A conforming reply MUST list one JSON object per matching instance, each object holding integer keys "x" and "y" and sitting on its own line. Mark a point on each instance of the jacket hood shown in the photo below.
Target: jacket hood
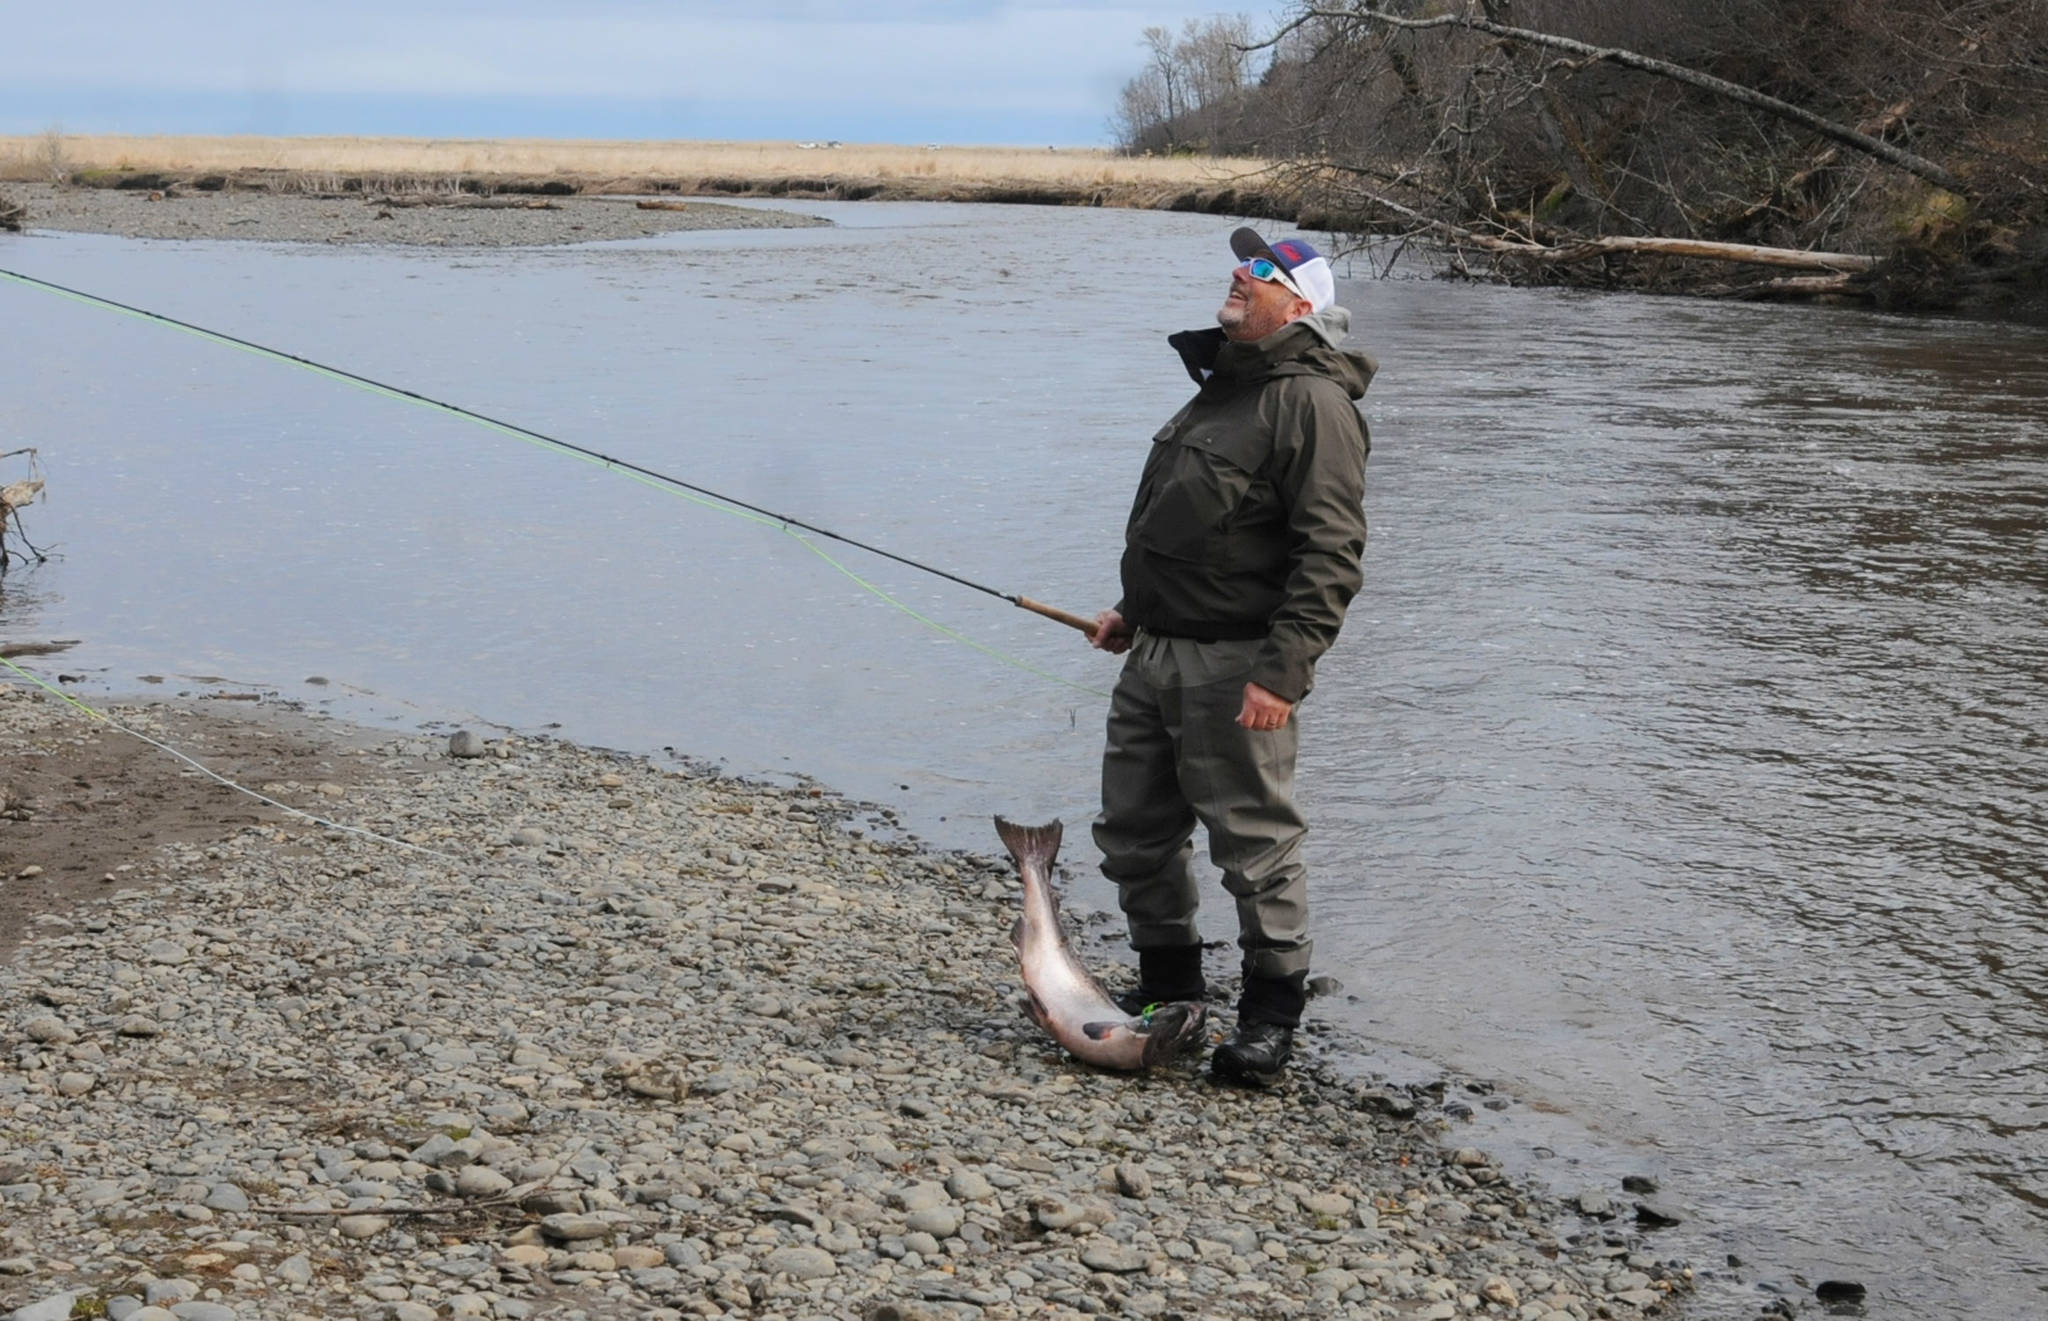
{"x": 1307, "y": 346}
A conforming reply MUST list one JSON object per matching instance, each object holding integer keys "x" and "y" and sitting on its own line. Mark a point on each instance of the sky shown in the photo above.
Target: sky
{"x": 970, "y": 71}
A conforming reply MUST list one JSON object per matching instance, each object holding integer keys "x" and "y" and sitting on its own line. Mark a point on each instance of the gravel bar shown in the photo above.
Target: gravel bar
{"x": 639, "y": 1041}
{"x": 454, "y": 222}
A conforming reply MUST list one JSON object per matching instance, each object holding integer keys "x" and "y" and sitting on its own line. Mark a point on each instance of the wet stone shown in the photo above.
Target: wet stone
{"x": 1658, "y": 1213}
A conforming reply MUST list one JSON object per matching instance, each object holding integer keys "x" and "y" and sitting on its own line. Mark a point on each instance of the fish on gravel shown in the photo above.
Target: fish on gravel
{"x": 1061, "y": 995}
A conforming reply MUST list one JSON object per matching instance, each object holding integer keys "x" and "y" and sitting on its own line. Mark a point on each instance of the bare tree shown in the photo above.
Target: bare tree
{"x": 1605, "y": 133}
{"x": 1191, "y": 94}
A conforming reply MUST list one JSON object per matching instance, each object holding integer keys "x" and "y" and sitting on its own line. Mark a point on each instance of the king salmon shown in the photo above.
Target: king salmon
{"x": 1064, "y": 999}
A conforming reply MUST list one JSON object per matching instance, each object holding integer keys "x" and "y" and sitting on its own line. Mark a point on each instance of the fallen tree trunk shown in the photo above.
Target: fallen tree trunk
{"x": 1585, "y": 249}
{"x": 464, "y": 202}
{"x": 1788, "y": 286}
{"x": 1700, "y": 248}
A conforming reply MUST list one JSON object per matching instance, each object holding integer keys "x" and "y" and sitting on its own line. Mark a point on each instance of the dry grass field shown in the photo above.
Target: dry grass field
{"x": 52, "y": 157}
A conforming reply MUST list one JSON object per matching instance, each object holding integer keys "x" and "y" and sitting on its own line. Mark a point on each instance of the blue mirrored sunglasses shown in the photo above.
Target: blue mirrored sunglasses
{"x": 1261, "y": 269}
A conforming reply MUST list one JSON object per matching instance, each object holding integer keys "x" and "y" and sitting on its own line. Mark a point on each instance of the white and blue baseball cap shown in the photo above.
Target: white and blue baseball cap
{"x": 1308, "y": 272}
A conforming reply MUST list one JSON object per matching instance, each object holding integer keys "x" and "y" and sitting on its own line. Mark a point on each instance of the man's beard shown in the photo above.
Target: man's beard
{"x": 1242, "y": 321}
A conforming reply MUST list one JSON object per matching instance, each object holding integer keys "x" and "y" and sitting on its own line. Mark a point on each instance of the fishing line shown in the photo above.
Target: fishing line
{"x": 210, "y": 773}
{"x": 696, "y": 494}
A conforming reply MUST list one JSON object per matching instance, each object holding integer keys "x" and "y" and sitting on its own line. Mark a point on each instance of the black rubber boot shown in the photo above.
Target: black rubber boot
{"x": 1268, "y": 1011}
{"x": 1165, "y": 975}
{"x": 1256, "y": 1054}
{"x": 1273, "y": 999}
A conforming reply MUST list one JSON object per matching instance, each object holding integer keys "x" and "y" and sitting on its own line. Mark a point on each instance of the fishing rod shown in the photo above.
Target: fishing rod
{"x": 1071, "y": 620}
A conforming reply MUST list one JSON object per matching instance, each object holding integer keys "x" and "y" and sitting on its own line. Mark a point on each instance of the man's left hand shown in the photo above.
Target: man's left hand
{"x": 1263, "y": 709}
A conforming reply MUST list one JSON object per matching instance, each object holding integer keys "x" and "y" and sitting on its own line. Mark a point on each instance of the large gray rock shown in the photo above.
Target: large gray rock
{"x": 465, "y": 743}
{"x": 168, "y": 1293}
{"x": 920, "y": 1196}
{"x": 198, "y": 1310}
{"x": 938, "y": 1221}
{"x": 448, "y": 1153}
{"x": 568, "y": 1226}
{"x": 803, "y": 1263}
{"x": 409, "y": 1311}
{"x": 481, "y": 1181}
{"x": 55, "y": 1308}
{"x": 226, "y": 1197}
{"x": 969, "y": 1186}
{"x": 49, "y": 1030}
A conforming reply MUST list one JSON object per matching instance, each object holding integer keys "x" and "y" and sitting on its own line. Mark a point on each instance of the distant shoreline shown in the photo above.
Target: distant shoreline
{"x": 805, "y": 171}
{"x": 405, "y": 220}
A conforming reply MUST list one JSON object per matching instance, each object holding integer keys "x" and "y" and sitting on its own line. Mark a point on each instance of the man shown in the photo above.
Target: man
{"x": 1241, "y": 555}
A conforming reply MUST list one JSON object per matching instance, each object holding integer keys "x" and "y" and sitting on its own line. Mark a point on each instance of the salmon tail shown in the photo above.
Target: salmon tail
{"x": 1031, "y": 845}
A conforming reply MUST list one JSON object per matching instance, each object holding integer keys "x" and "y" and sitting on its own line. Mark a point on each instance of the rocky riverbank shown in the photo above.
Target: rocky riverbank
{"x": 419, "y": 219}
{"x": 584, "y": 1036}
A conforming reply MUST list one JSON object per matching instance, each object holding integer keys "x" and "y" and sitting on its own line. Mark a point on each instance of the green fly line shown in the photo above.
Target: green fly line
{"x": 695, "y": 494}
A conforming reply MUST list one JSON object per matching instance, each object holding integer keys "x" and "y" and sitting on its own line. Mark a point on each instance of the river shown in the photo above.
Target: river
{"x": 1680, "y": 772}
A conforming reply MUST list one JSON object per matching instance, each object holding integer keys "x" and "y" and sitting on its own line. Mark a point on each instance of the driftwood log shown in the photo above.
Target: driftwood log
{"x": 465, "y": 202}
{"x": 1674, "y": 247}
{"x": 1841, "y": 264}
{"x": 662, "y": 206}
{"x": 14, "y": 497}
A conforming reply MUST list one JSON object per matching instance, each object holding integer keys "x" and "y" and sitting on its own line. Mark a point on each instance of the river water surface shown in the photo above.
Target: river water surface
{"x": 1681, "y": 768}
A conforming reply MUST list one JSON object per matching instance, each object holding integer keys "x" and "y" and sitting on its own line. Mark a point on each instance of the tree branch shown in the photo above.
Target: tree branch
{"x": 1908, "y": 161}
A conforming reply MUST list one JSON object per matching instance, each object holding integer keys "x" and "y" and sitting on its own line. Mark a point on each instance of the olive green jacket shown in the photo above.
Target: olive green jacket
{"x": 1250, "y": 516}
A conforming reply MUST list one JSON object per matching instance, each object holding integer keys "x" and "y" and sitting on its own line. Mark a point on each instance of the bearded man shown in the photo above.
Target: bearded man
{"x": 1241, "y": 555}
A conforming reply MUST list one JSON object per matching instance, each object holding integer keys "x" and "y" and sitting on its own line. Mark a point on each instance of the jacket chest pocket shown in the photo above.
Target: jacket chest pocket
{"x": 1196, "y": 479}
